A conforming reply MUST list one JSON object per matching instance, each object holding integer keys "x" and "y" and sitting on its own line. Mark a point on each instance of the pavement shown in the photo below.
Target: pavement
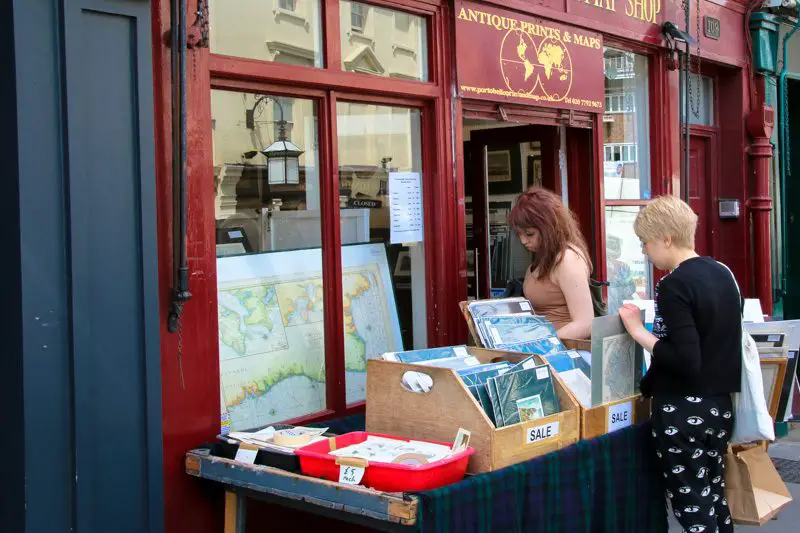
{"x": 787, "y": 521}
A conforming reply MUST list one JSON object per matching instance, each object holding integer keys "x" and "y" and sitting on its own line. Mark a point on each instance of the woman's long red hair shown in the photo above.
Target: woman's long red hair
{"x": 558, "y": 228}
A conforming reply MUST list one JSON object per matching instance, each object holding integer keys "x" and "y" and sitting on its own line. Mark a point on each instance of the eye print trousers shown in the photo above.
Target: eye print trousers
{"x": 691, "y": 436}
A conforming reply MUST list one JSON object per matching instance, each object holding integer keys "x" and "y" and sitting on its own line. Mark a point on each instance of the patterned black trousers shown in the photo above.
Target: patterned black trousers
{"x": 692, "y": 437}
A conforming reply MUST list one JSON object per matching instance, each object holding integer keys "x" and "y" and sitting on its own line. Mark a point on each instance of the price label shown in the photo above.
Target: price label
{"x": 351, "y": 475}
{"x": 542, "y": 373}
{"x": 620, "y": 416}
{"x": 537, "y": 434}
{"x": 460, "y": 351}
{"x": 246, "y": 454}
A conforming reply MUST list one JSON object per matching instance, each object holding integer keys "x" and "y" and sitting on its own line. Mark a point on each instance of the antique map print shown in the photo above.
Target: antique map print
{"x": 619, "y": 355}
{"x": 271, "y": 332}
{"x": 617, "y": 361}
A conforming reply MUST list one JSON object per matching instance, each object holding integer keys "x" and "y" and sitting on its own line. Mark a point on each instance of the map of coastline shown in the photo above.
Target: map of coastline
{"x": 271, "y": 342}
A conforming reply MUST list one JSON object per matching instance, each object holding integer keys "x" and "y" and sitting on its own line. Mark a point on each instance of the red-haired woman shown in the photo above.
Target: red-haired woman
{"x": 557, "y": 283}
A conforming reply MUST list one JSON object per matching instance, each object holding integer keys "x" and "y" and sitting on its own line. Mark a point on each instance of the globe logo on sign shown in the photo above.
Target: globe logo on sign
{"x": 528, "y": 68}
{"x": 519, "y": 72}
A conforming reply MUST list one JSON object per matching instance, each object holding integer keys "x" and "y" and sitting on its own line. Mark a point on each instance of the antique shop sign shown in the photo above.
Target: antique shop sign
{"x": 645, "y": 10}
{"x": 503, "y": 56}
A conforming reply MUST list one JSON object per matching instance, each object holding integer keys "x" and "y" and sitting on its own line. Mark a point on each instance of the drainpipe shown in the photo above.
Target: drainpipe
{"x": 760, "y": 122}
{"x": 783, "y": 144}
{"x": 759, "y": 126}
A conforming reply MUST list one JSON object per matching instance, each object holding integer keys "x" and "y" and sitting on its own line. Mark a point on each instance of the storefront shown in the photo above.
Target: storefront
{"x": 350, "y": 167}
{"x": 363, "y": 158}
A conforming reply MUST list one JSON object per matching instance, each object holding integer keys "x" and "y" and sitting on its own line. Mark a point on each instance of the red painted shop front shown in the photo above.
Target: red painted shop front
{"x": 462, "y": 104}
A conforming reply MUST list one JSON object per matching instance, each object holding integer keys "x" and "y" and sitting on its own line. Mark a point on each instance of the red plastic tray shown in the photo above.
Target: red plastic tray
{"x": 316, "y": 461}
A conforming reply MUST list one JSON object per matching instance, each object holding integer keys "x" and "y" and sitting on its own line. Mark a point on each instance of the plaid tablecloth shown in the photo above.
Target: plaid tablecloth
{"x": 608, "y": 484}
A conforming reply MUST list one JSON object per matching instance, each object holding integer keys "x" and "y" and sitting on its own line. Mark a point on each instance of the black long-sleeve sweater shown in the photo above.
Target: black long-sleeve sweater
{"x": 699, "y": 325}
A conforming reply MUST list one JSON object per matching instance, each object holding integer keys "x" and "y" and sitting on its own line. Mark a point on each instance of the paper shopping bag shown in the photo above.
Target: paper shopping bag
{"x": 753, "y": 487}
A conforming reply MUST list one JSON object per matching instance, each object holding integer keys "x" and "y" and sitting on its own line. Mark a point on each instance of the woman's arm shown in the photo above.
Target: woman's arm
{"x": 572, "y": 277}
{"x": 631, "y": 317}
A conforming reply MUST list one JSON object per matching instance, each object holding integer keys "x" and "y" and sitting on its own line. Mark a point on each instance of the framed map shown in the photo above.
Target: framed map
{"x": 272, "y": 333}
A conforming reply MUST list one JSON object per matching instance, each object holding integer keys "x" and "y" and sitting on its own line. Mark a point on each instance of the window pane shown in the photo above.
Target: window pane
{"x": 269, "y": 261}
{"x": 626, "y": 123}
{"x": 383, "y": 282}
{"x": 629, "y": 273}
{"x": 383, "y": 42}
{"x": 284, "y": 31}
{"x": 701, "y": 101}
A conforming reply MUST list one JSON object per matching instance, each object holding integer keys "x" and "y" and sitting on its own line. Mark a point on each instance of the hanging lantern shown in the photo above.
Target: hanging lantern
{"x": 283, "y": 159}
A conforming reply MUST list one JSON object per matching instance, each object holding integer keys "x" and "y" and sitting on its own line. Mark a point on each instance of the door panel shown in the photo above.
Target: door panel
{"x": 700, "y": 192}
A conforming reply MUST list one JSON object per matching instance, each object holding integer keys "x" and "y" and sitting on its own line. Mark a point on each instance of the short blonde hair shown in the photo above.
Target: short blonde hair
{"x": 667, "y": 216}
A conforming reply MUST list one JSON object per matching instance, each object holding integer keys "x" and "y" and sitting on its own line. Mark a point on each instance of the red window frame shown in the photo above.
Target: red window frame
{"x": 326, "y": 86}
{"x": 660, "y": 157}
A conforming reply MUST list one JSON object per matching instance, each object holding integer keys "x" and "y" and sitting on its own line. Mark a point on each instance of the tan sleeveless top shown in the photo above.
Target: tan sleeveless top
{"x": 547, "y": 299}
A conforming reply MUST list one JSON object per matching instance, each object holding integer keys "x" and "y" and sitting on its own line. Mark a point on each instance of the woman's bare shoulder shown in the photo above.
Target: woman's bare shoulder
{"x": 572, "y": 262}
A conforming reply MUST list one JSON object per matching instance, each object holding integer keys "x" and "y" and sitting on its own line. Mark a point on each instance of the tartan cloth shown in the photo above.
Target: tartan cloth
{"x": 608, "y": 484}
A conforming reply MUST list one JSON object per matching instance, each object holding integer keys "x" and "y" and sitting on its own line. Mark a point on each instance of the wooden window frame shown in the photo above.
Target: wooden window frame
{"x": 326, "y": 86}
{"x": 658, "y": 98}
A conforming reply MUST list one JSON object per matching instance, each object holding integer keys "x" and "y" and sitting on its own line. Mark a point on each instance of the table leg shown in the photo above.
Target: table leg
{"x": 235, "y": 509}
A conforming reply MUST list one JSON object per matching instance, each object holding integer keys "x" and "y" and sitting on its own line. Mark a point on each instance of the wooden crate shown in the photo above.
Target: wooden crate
{"x": 597, "y": 420}
{"x": 611, "y": 416}
{"x": 475, "y": 339}
{"x": 438, "y": 414}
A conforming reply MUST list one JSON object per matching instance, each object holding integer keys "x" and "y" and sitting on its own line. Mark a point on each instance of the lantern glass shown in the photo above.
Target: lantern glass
{"x": 283, "y": 169}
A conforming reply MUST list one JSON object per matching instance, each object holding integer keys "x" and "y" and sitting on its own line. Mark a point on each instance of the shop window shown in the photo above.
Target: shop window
{"x": 626, "y": 128}
{"x": 628, "y": 271}
{"x": 701, "y": 100}
{"x": 269, "y": 260}
{"x": 283, "y": 31}
{"x": 368, "y": 48}
{"x": 380, "y": 198}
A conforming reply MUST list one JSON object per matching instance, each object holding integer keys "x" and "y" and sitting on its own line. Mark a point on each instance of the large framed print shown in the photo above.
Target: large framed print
{"x": 271, "y": 330}
{"x": 789, "y": 348}
{"x": 773, "y": 372}
{"x": 507, "y": 57}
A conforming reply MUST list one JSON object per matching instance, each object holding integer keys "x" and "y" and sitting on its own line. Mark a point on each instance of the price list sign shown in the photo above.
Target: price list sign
{"x": 405, "y": 205}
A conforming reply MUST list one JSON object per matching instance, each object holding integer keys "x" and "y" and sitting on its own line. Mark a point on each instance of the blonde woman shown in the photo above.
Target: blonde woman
{"x": 696, "y": 365}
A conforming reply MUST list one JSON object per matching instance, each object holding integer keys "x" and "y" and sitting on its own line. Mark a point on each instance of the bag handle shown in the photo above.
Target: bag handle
{"x": 738, "y": 290}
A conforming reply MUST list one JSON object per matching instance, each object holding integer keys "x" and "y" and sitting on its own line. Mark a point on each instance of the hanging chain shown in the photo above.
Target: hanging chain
{"x": 784, "y": 120}
{"x": 694, "y": 95}
{"x": 696, "y": 106}
{"x": 198, "y": 36}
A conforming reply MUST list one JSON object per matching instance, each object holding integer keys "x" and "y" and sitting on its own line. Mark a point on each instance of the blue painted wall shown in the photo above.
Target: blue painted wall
{"x": 80, "y": 371}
